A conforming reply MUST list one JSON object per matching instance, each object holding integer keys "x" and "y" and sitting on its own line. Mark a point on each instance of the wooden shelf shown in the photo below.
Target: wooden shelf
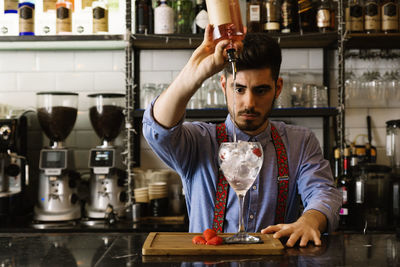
{"x": 282, "y": 112}
{"x": 188, "y": 41}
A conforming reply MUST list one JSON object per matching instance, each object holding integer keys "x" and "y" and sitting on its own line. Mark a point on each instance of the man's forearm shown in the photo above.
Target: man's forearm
{"x": 170, "y": 107}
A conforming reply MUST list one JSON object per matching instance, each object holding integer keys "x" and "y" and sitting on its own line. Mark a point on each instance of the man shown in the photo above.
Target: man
{"x": 191, "y": 148}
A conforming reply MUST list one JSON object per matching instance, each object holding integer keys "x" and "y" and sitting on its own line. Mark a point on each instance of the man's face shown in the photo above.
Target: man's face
{"x": 255, "y": 93}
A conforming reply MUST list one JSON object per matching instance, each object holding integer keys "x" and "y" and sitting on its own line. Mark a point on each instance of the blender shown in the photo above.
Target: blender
{"x": 57, "y": 199}
{"x": 107, "y": 181}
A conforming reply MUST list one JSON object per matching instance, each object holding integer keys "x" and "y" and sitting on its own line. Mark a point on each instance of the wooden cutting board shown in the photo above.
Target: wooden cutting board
{"x": 181, "y": 244}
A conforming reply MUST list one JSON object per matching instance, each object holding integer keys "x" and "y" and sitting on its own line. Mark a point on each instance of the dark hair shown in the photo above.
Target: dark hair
{"x": 259, "y": 51}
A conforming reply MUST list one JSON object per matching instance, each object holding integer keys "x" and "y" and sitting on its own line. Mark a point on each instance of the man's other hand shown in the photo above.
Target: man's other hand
{"x": 307, "y": 228}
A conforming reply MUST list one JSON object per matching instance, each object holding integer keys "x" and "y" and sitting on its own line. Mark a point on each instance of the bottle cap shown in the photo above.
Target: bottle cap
{"x": 337, "y": 153}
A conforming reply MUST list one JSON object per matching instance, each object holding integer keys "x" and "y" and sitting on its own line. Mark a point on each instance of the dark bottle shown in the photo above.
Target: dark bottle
{"x": 201, "y": 17}
{"x": 390, "y": 16}
{"x": 142, "y": 16}
{"x": 271, "y": 15}
{"x": 289, "y": 16}
{"x": 324, "y": 13}
{"x": 254, "y": 16}
{"x": 354, "y": 16}
{"x": 344, "y": 187}
{"x": 183, "y": 16}
{"x": 150, "y": 28}
{"x": 372, "y": 16}
{"x": 307, "y": 16}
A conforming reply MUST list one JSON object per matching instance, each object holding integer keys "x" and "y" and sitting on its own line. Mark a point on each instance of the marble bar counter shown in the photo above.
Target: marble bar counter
{"x": 124, "y": 249}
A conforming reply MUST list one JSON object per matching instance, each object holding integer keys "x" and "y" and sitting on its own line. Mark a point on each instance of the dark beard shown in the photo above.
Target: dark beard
{"x": 248, "y": 124}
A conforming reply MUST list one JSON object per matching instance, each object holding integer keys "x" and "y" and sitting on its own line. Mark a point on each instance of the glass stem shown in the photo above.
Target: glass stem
{"x": 241, "y": 220}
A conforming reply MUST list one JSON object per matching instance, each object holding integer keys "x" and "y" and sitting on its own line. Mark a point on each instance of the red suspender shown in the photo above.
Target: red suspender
{"x": 222, "y": 187}
{"x": 283, "y": 175}
{"x": 283, "y": 180}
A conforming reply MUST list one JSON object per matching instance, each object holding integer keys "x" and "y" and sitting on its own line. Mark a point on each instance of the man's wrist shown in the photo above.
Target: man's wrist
{"x": 316, "y": 218}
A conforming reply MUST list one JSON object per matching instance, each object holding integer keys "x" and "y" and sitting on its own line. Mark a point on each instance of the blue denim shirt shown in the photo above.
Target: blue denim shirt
{"x": 191, "y": 148}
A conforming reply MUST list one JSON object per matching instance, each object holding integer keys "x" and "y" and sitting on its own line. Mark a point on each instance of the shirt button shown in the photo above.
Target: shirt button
{"x": 254, "y": 187}
{"x": 251, "y": 216}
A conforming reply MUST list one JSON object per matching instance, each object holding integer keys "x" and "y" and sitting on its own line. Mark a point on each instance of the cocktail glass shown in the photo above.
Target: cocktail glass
{"x": 241, "y": 162}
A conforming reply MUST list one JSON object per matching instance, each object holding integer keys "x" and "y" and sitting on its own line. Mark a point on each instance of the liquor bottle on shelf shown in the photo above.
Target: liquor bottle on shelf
{"x": 227, "y": 20}
{"x": 390, "y": 16}
{"x": 289, "y": 16}
{"x": 163, "y": 19}
{"x": 64, "y": 17}
{"x": 150, "y": 28}
{"x": 272, "y": 14}
{"x": 354, "y": 16}
{"x": 183, "y": 16}
{"x": 254, "y": 16}
{"x": 201, "y": 17}
{"x": 324, "y": 16}
{"x": 372, "y": 16}
{"x": 100, "y": 17}
{"x": 82, "y": 21}
{"x": 142, "y": 16}
{"x": 26, "y": 12}
{"x": 344, "y": 186}
{"x": 45, "y": 23}
{"x": 307, "y": 16}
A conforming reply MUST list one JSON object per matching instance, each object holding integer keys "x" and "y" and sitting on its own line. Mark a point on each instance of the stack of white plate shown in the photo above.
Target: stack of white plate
{"x": 158, "y": 190}
{"x": 141, "y": 195}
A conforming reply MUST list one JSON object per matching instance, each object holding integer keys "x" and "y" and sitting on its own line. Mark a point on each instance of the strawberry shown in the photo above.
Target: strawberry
{"x": 257, "y": 152}
{"x": 208, "y": 234}
{"x": 199, "y": 240}
{"x": 215, "y": 241}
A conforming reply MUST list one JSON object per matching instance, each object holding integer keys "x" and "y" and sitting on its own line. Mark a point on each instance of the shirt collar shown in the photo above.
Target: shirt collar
{"x": 263, "y": 137}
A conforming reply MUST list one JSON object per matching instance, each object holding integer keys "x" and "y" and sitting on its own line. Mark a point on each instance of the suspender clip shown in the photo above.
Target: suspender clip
{"x": 283, "y": 178}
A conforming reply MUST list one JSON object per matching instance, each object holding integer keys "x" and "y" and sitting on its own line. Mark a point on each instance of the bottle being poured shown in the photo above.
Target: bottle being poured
{"x": 227, "y": 20}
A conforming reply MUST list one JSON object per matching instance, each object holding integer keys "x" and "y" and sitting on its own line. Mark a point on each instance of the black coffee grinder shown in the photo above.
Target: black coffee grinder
{"x": 13, "y": 168}
{"x": 107, "y": 181}
{"x": 57, "y": 200}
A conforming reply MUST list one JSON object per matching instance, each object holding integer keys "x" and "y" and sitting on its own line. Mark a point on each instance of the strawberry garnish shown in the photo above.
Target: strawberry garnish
{"x": 257, "y": 152}
{"x": 215, "y": 241}
{"x": 198, "y": 240}
{"x": 209, "y": 233}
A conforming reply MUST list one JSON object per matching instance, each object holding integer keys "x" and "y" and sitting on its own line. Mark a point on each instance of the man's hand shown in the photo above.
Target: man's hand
{"x": 209, "y": 58}
{"x": 307, "y": 228}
